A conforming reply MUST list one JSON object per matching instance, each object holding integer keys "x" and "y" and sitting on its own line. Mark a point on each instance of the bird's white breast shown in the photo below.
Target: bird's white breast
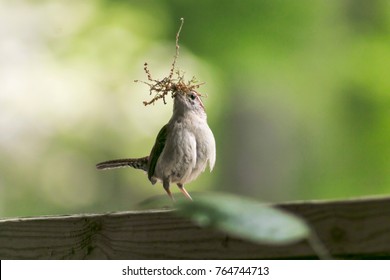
{"x": 188, "y": 148}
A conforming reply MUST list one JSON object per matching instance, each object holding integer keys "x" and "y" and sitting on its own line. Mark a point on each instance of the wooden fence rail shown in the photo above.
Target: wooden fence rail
{"x": 357, "y": 228}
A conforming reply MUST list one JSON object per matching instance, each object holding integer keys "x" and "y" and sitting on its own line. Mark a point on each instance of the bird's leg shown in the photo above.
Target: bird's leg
{"x": 183, "y": 190}
{"x": 166, "y": 188}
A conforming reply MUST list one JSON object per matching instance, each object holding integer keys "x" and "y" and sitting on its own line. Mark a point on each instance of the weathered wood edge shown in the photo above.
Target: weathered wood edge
{"x": 354, "y": 228}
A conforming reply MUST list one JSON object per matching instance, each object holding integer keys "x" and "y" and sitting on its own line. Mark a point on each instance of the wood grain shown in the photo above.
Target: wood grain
{"x": 349, "y": 229}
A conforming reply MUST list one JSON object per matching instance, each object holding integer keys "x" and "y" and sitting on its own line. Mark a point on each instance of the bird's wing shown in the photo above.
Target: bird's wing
{"x": 157, "y": 150}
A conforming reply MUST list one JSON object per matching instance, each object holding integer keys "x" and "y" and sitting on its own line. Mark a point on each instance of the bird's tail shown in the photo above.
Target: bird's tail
{"x": 138, "y": 163}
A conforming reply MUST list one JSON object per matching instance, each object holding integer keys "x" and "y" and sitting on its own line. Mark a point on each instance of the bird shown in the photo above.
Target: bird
{"x": 182, "y": 150}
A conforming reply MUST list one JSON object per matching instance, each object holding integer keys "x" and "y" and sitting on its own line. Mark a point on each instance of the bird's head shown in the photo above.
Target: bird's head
{"x": 185, "y": 101}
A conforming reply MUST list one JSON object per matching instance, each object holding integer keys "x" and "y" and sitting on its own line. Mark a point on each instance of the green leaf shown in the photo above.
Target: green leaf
{"x": 245, "y": 218}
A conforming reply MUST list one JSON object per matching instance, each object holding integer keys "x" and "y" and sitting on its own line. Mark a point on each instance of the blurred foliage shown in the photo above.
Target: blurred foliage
{"x": 245, "y": 218}
{"x": 298, "y": 98}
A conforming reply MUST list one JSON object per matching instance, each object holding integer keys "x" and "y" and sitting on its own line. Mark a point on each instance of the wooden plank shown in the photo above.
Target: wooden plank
{"x": 349, "y": 229}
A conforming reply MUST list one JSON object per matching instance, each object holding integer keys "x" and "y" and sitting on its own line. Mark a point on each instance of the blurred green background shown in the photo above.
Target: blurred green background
{"x": 298, "y": 98}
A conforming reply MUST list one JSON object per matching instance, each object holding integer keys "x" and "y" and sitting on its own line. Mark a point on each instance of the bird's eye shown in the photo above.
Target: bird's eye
{"x": 192, "y": 96}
